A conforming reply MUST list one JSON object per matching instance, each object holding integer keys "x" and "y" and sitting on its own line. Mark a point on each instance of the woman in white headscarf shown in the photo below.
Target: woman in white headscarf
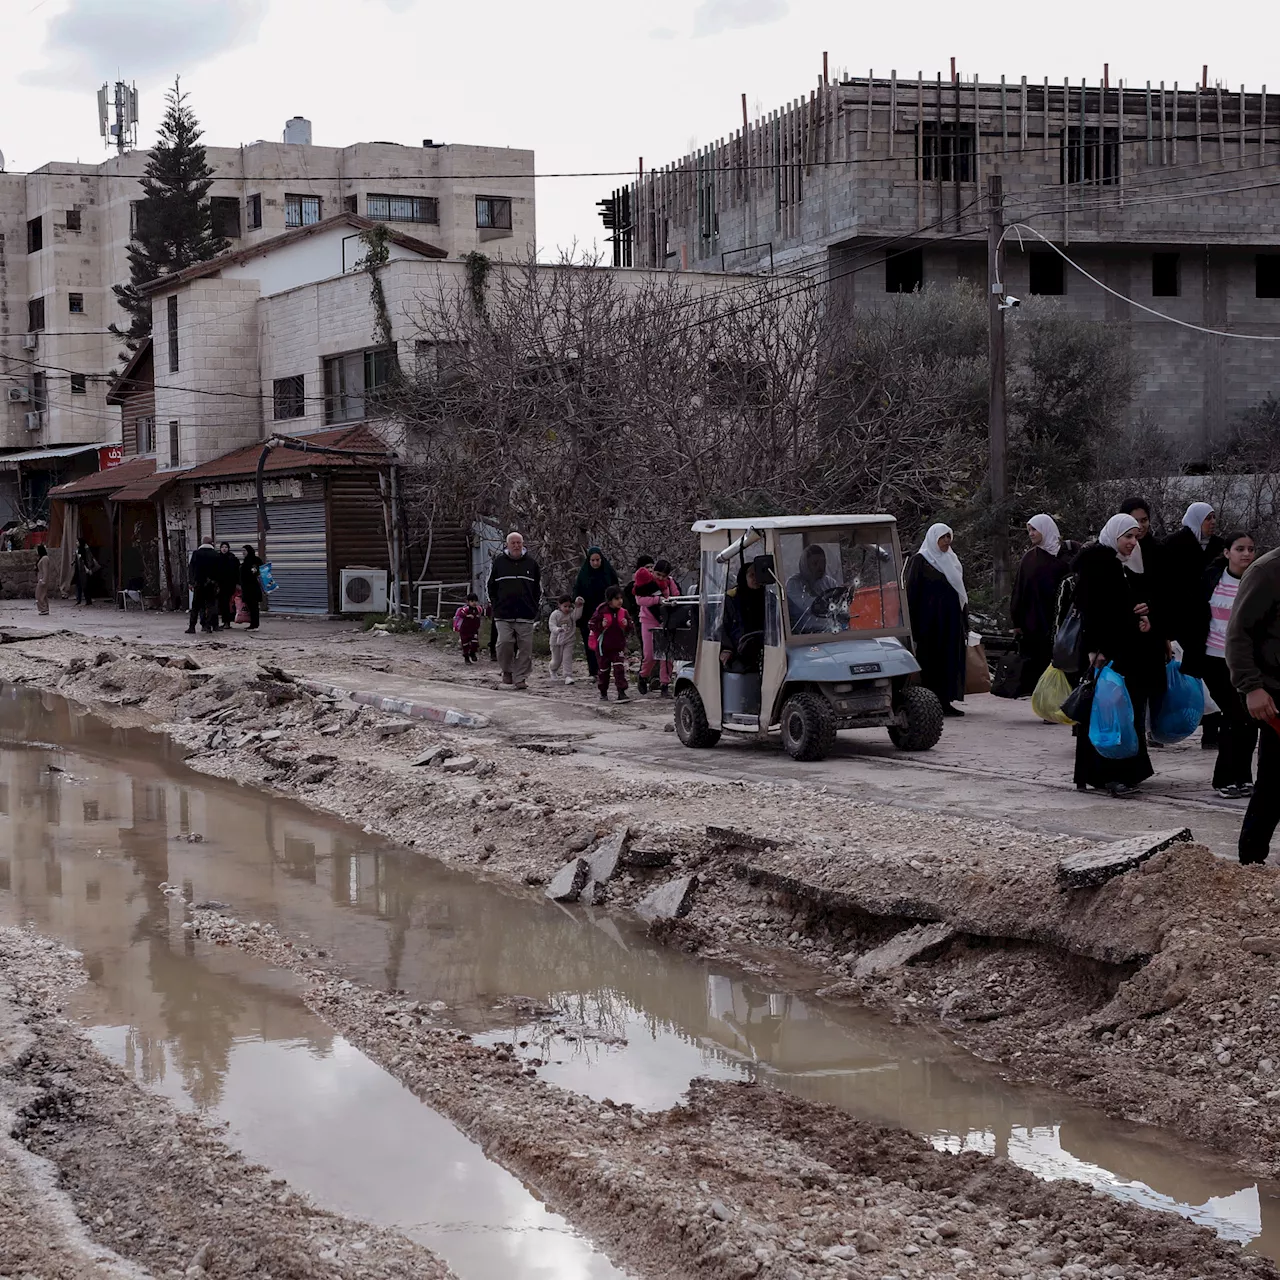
{"x": 1119, "y": 625}
{"x": 1185, "y": 558}
{"x": 1033, "y": 607}
{"x": 939, "y": 606}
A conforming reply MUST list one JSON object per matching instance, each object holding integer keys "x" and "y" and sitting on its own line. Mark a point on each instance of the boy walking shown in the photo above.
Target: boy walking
{"x": 466, "y": 622}
{"x": 563, "y": 627}
{"x": 609, "y": 626}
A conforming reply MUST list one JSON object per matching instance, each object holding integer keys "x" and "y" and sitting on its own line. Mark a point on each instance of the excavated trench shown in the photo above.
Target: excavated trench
{"x": 108, "y": 839}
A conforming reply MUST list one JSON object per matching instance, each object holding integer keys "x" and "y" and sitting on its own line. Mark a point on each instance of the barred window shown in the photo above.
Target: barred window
{"x": 493, "y": 212}
{"x": 290, "y": 397}
{"x": 301, "y": 211}
{"x": 403, "y": 208}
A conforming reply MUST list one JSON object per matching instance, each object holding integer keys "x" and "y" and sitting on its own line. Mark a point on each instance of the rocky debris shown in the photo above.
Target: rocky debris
{"x": 917, "y": 943}
{"x": 727, "y": 838}
{"x": 647, "y": 857}
{"x": 547, "y": 747}
{"x": 394, "y": 727}
{"x": 568, "y": 883}
{"x": 1268, "y": 946}
{"x": 459, "y": 764}
{"x": 1088, "y": 868}
{"x": 436, "y": 755}
{"x": 270, "y": 735}
{"x": 670, "y": 901}
{"x": 102, "y": 657}
{"x": 607, "y": 855}
{"x": 594, "y": 893}
{"x": 485, "y": 769}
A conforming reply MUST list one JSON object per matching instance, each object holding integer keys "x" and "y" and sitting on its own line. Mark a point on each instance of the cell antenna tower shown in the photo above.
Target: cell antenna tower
{"x": 122, "y": 102}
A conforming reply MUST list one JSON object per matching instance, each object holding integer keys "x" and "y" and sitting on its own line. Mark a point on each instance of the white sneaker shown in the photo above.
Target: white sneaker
{"x": 568, "y": 679}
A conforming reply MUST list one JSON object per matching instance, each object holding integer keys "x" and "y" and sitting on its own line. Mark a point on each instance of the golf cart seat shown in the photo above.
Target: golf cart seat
{"x": 677, "y": 639}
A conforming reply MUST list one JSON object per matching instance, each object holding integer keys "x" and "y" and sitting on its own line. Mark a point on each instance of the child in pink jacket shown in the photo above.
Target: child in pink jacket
{"x": 651, "y": 588}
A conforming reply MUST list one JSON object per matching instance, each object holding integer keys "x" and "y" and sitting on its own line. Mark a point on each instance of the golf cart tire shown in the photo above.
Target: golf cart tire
{"x": 808, "y": 727}
{"x": 924, "y": 720}
{"x": 692, "y": 727}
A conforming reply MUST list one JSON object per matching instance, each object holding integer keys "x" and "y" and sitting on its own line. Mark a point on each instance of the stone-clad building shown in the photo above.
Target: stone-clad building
{"x": 1169, "y": 195}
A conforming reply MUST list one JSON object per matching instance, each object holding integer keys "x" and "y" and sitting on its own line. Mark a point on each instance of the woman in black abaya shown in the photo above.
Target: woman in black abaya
{"x": 1033, "y": 608}
{"x": 939, "y": 608}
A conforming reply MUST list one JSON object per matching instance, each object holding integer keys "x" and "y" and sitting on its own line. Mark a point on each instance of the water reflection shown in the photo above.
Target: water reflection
{"x": 89, "y": 849}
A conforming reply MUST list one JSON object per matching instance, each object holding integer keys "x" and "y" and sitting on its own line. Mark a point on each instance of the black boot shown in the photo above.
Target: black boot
{"x": 642, "y": 683}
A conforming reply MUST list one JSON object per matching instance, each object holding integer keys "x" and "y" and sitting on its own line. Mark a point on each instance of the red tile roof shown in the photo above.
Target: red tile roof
{"x": 100, "y": 484}
{"x": 244, "y": 462}
{"x": 148, "y": 488}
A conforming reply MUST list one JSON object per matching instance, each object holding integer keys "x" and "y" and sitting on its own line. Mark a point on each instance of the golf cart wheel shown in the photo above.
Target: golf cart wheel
{"x": 808, "y": 727}
{"x": 924, "y": 720}
{"x": 692, "y": 727}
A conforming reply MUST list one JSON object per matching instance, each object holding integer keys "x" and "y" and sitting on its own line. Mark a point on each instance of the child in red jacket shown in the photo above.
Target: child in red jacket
{"x": 466, "y": 622}
{"x": 608, "y": 637}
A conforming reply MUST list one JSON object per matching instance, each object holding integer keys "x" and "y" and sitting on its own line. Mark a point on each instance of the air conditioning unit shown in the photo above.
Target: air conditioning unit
{"x": 19, "y": 395}
{"x": 30, "y": 341}
{"x": 364, "y": 590}
{"x": 35, "y": 421}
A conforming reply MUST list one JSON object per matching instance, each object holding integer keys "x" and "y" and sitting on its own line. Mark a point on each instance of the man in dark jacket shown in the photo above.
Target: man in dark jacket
{"x": 204, "y": 576}
{"x": 515, "y": 591}
{"x": 1253, "y": 658}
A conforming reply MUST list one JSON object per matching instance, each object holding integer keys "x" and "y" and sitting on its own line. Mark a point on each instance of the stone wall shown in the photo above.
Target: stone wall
{"x": 17, "y": 575}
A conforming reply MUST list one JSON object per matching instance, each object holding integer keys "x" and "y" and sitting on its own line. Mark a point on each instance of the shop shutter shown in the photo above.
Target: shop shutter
{"x": 295, "y": 547}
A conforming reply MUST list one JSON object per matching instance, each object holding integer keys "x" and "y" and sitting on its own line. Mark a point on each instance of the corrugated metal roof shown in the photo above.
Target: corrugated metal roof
{"x": 148, "y": 488}
{"x": 244, "y": 462}
{"x": 10, "y": 461}
{"x": 102, "y": 483}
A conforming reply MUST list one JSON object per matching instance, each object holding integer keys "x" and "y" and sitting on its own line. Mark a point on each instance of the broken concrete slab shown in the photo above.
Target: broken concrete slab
{"x": 732, "y": 838}
{"x": 1261, "y": 946}
{"x": 1092, "y": 867}
{"x": 916, "y": 943}
{"x": 568, "y": 883}
{"x": 396, "y": 726}
{"x": 607, "y": 855}
{"x": 485, "y": 768}
{"x": 594, "y": 894}
{"x": 669, "y": 902}
{"x": 638, "y": 856}
{"x": 547, "y": 747}
{"x": 270, "y": 735}
{"x": 434, "y": 756}
{"x": 459, "y": 764}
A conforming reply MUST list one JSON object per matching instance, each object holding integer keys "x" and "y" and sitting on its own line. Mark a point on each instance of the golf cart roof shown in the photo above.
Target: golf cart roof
{"x": 787, "y": 522}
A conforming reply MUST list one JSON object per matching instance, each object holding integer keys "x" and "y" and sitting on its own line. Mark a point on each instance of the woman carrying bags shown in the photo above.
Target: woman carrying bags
{"x": 592, "y": 584}
{"x": 1113, "y": 598}
{"x": 1033, "y": 609}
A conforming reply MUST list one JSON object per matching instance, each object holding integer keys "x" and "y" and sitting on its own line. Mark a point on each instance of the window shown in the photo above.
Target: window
{"x": 837, "y": 581}
{"x": 301, "y": 211}
{"x": 35, "y": 235}
{"x": 413, "y": 209}
{"x": 253, "y": 212}
{"x": 493, "y": 212}
{"x": 35, "y": 314}
{"x": 79, "y": 385}
{"x": 173, "y": 444}
{"x": 348, "y": 379}
{"x": 1164, "y": 275}
{"x": 904, "y": 271}
{"x": 1046, "y": 273}
{"x": 171, "y": 312}
{"x": 290, "y": 397}
{"x": 1268, "y": 275}
{"x": 947, "y": 151}
{"x": 136, "y": 217}
{"x": 146, "y": 428}
{"x": 350, "y": 204}
{"x": 1090, "y": 154}
{"x": 75, "y": 303}
{"x": 442, "y": 362}
{"x": 73, "y": 219}
{"x": 224, "y": 214}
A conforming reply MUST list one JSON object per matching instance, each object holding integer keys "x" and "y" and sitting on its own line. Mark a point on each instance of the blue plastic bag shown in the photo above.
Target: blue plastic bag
{"x": 1182, "y": 707}
{"x": 1111, "y": 728}
{"x": 267, "y": 578}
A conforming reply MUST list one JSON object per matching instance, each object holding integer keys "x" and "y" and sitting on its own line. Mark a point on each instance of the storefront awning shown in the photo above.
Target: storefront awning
{"x": 11, "y": 461}
{"x": 101, "y": 484}
{"x": 146, "y": 488}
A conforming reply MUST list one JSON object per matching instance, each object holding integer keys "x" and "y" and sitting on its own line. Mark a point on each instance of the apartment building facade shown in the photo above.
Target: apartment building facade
{"x": 65, "y": 231}
{"x": 1170, "y": 196}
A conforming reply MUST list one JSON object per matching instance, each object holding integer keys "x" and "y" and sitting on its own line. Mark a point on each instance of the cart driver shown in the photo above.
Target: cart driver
{"x": 811, "y": 593}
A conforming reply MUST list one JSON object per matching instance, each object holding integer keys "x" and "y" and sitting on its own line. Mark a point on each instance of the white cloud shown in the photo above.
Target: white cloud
{"x": 712, "y": 17}
{"x": 663, "y": 33}
{"x": 92, "y": 40}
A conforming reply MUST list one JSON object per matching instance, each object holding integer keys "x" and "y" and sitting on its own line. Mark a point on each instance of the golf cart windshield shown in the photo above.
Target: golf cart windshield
{"x": 840, "y": 580}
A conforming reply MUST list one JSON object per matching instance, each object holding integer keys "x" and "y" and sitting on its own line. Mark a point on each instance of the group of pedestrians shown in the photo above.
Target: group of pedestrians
{"x": 223, "y": 586}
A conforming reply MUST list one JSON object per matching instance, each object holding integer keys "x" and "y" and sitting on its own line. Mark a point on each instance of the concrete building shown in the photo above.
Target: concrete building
{"x": 1168, "y": 195}
{"x": 65, "y": 231}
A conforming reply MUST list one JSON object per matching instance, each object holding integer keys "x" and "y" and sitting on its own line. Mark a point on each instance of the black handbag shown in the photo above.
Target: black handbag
{"x": 1067, "y": 642}
{"x": 1078, "y": 704}
{"x": 1008, "y": 677}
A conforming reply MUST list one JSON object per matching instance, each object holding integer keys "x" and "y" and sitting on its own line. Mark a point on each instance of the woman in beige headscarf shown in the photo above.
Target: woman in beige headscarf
{"x": 42, "y": 579}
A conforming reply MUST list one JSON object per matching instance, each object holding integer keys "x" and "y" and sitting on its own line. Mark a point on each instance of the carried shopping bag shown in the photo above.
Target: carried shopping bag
{"x": 237, "y": 602}
{"x": 1067, "y": 643}
{"x": 1010, "y": 670}
{"x": 977, "y": 672}
{"x": 1181, "y": 709}
{"x": 1051, "y": 691}
{"x": 1111, "y": 728}
{"x": 1079, "y": 704}
{"x": 267, "y": 578}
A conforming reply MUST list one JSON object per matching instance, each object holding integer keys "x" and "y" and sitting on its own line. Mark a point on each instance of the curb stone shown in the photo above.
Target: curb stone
{"x": 400, "y": 706}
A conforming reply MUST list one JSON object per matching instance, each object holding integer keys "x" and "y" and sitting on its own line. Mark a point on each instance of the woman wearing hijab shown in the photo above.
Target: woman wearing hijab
{"x": 1140, "y": 509}
{"x": 1033, "y": 608}
{"x": 742, "y": 635}
{"x": 1185, "y": 558}
{"x": 251, "y": 585}
{"x": 594, "y": 579}
{"x": 939, "y": 608}
{"x": 1113, "y": 596}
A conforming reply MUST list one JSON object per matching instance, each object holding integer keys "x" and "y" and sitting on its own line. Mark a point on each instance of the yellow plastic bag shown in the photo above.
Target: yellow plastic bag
{"x": 1050, "y": 693}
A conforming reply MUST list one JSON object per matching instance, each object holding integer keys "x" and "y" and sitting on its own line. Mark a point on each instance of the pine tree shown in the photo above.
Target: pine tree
{"x": 174, "y": 228}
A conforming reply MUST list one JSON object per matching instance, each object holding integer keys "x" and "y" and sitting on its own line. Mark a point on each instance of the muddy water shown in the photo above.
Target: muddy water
{"x": 93, "y": 822}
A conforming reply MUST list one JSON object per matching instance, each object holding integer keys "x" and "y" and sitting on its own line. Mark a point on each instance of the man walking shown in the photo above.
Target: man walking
{"x": 1253, "y": 658}
{"x": 203, "y": 575}
{"x": 515, "y": 591}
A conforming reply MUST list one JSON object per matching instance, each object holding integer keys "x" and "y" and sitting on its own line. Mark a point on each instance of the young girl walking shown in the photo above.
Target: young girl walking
{"x": 651, "y": 587}
{"x": 563, "y": 627}
{"x": 609, "y": 626}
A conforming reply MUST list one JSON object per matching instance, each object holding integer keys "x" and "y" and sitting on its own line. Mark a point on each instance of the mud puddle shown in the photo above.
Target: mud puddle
{"x": 105, "y": 836}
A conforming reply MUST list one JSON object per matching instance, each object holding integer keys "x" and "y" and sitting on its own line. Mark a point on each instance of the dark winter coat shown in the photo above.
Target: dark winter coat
{"x": 610, "y": 627}
{"x": 1194, "y": 645}
{"x": 939, "y": 629}
{"x": 1035, "y": 592}
{"x": 1105, "y": 595}
{"x": 1179, "y": 581}
{"x": 205, "y": 568}
{"x": 1253, "y": 634}
{"x": 593, "y": 584}
{"x": 250, "y": 584}
{"x": 515, "y": 588}
{"x": 228, "y": 574}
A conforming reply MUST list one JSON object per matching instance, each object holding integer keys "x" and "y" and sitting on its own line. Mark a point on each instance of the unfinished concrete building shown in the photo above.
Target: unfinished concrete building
{"x": 1168, "y": 195}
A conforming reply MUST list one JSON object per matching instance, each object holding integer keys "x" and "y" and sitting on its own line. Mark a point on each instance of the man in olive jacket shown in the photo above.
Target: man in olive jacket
{"x": 1253, "y": 658}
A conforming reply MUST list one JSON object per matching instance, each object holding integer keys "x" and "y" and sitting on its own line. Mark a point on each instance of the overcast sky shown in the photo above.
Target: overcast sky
{"x": 589, "y": 85}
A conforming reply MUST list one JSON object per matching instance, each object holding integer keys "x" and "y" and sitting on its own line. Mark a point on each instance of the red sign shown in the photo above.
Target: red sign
{"x": 110, "y": 455}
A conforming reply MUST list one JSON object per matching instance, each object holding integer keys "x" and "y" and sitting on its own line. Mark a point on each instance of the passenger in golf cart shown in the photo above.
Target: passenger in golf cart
{"x": 812, "y": 638}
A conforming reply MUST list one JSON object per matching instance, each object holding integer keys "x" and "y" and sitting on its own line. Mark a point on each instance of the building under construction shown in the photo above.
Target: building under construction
{"x": 1168, "y": 195}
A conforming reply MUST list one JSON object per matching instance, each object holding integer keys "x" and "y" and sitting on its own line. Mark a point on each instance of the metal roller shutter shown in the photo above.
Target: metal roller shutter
{"x": 295, "y": 547}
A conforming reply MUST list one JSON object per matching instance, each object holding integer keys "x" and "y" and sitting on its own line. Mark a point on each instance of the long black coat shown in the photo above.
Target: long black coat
{"x": 1035, "y": 593}
{"x": 1180, "y": 581}
{"x": 1105, "y": 595}
{"x": 939, "y": 629}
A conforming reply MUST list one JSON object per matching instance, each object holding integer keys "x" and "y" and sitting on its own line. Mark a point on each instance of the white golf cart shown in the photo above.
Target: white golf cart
{"x": 835, "y": 650}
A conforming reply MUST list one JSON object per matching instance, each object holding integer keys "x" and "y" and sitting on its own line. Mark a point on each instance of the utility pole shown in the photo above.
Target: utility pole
{"x": 997, "y": 436}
